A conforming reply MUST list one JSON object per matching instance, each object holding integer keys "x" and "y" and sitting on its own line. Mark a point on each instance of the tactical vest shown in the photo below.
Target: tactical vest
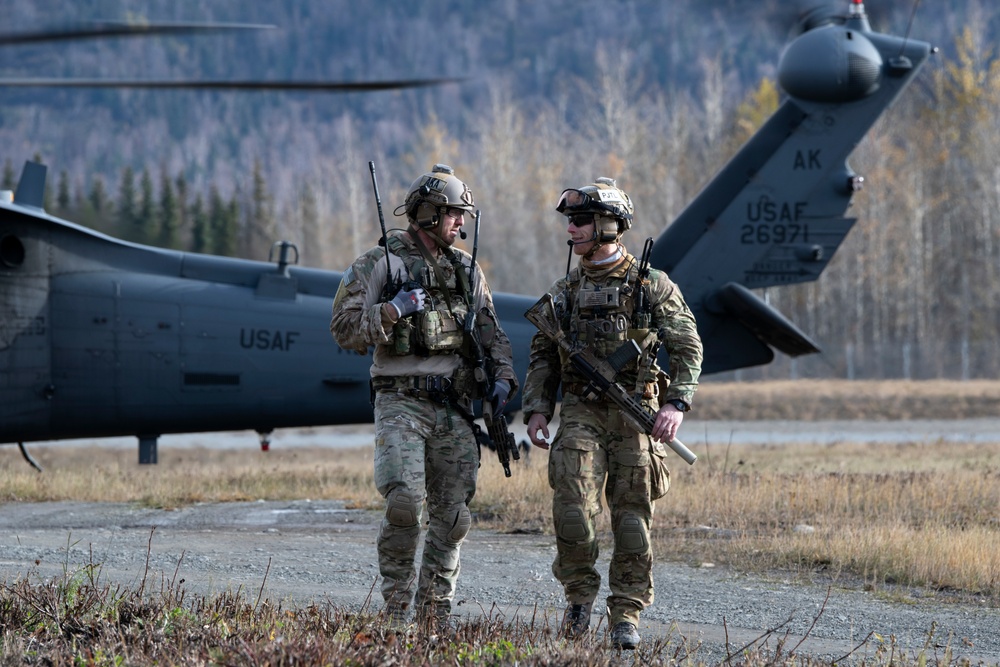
{"x": 438, "y": 328}
{"x": 602, "y": 316}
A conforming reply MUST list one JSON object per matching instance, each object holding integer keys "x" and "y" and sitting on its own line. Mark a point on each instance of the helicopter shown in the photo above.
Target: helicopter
{"x": 101, "y": 337}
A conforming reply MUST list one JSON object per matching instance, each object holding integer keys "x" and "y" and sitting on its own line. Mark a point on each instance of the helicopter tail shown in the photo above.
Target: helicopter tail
{"x": 774, "y": 215}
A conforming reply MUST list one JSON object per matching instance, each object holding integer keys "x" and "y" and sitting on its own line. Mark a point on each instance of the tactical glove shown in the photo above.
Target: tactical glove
{"x": 501, "y": 390}
{"x": 407, "y": 302}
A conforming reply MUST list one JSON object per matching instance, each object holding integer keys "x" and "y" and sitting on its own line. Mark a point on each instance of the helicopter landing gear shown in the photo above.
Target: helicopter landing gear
{"x": 147, "y": 449}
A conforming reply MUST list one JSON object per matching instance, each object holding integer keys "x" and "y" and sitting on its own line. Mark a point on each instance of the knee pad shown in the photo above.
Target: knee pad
{"x": 573, "y": 526}
{"x": 401, "y": 508}
{"x": 462, "y": 525}
{"x": 631, "y": 535}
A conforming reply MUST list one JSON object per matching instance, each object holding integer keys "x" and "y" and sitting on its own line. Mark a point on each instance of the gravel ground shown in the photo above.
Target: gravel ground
{"x": 301, "y": 552}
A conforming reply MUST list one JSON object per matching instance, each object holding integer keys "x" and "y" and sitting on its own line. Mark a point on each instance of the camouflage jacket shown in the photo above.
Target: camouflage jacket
{"x": 668, "y": 320}
{"x": 359, "y": 320}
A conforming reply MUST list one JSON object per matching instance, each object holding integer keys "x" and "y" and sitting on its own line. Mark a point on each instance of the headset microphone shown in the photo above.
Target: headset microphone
{"x": 462, "y": 234}
{"x": 572, "y": 243}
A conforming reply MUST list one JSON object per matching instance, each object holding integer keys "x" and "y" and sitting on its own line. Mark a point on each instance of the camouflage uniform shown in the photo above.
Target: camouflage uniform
{"x": 424, "y": 446}
{"x": 593, "y": 445}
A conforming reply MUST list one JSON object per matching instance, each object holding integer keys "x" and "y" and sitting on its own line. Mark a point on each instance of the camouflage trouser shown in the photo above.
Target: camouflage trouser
{"x": 593, "y": 443}
{"x": 423, "y": 451}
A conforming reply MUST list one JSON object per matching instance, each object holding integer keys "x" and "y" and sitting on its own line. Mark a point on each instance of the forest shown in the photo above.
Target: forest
{"x": 552, "y": 94}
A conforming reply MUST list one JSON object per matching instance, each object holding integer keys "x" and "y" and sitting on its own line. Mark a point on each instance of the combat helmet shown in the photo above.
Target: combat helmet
{"x": 611, "y": 207}
{"x": 431, "y": 193}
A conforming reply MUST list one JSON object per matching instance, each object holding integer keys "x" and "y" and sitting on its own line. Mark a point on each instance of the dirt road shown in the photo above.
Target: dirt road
{"x": 301, "y": 552}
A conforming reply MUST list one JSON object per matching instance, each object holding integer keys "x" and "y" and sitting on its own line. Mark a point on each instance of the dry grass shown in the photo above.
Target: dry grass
{"x": 79, "y": 620}
{"x": 185, "y": 476}
{"x": 842, "y": 399}
{"x": 912, "y": 515}
{"x": 898, "y": 514}
{"x": 920, "y": 518}
{"x": 922, "y": 515}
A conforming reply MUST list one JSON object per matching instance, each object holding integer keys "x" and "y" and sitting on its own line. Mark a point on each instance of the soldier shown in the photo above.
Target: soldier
{"x": 603, "y": 302}
{"x": 412, "y": 306}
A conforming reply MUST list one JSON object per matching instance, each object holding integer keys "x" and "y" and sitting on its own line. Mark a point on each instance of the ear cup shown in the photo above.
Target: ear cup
{"x": 608, "y": 230}
{"x": 426, "y": 215}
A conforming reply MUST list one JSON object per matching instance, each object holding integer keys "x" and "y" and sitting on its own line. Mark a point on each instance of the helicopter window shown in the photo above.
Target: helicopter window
{"x": 11, "y": 251}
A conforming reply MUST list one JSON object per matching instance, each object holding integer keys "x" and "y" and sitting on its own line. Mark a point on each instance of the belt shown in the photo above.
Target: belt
{"x": 417, "y": 385}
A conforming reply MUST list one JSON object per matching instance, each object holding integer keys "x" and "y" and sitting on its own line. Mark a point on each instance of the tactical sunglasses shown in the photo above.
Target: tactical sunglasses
{"x": 581, "y": 219}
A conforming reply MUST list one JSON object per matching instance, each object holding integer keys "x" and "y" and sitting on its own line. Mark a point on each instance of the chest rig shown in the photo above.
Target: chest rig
{"x": 438, "y": 328}
{"x": 603, "y": 314}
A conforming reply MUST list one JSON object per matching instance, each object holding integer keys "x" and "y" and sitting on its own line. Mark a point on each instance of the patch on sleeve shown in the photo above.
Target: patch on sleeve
{"x": 348, "y": 277}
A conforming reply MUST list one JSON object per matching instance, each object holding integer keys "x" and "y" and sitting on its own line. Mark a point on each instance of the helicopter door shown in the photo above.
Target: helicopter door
{"x": 148, "y": 361}
{"x": 25, "y": 366}
{"x": 82, "y": 353}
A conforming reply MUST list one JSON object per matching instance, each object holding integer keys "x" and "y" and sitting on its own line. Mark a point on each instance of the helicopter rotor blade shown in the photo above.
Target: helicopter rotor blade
{"x": 101, "y": 29}
{"x": 305, "y": 86}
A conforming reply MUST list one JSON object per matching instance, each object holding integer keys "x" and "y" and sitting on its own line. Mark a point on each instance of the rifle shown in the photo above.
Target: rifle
{"x": 600, "y": 373}
{"x": 497, "y": 435}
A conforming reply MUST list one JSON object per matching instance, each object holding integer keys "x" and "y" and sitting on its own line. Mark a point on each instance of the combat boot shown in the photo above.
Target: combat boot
{"x": 576, "y": 621}
{"x": 442, "y": 626}
{"x": 436, "y": 621}
{"x": 395, "y": 616}
{"x": 624, "y": 635}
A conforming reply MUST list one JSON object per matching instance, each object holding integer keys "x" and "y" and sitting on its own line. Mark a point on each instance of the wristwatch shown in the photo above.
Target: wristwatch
{"x": 679, "y": 404}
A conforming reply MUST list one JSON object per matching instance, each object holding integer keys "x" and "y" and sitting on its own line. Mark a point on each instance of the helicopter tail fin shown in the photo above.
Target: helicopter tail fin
{"x": 774, "y": 215}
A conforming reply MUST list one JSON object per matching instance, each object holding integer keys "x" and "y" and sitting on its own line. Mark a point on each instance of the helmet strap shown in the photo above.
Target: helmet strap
{"x": 431, "y": 232}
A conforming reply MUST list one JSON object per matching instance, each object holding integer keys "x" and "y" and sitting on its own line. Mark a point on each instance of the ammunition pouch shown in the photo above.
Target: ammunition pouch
{"x": 464, "y": 384}
{"x": 425, "y": 333}
{"x": 440, "y": 331}
{"x": 487, "y": 329}
{"x": 659, "y": 473}
{"x": 403, "y": 337}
